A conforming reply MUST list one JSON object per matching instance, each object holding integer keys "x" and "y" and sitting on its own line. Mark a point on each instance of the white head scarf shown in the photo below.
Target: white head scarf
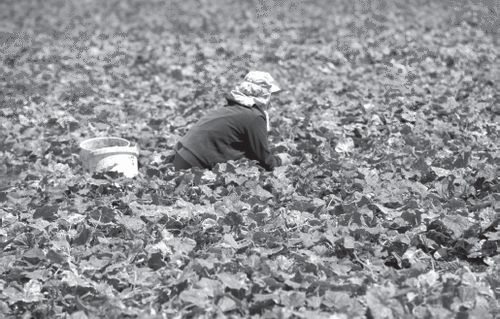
{"x": 255, "y": 89}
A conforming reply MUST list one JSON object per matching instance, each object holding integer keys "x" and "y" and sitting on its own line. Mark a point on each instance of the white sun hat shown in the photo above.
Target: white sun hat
{"x": 263, "y": 79}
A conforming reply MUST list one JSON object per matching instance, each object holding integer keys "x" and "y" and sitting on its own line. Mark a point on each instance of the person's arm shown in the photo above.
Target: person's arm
{"x": 258, "y": 146}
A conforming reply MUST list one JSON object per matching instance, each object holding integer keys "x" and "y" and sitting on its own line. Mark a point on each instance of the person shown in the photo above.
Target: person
{"x": 240, "y": 129}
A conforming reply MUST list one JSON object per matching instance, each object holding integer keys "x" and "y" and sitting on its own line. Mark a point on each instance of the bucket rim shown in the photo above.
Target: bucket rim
{"x": 82, "y": 143}
{"x": 122, "y": 150}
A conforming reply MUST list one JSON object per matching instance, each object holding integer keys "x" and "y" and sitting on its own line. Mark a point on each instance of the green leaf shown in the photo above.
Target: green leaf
{"x": 261, "y": 193}
{"x": 233, "y": 281}
{"x": 456, "y": 223}
{"x": 292, "y": 299}
{"x": 345, "y": 146}
{"x": 349, "y": 242}
{"x": 314, "y": 302}
{"x": 83, "y": 237}
{"x": 34, "y": 255}
{"x": 182, "y": 245}
{"x": 212, "y": 287}
{"x": 55, "y": 257}
{"x": 389, "y": 212}
{"x": 132, "y": 223}
{"x": 429, "y": 279}
{"x": 48, "y": 212}
{"x": 227, "y": 304}
{"x": 338, "y": 300}
{"x": 194, "y": 296}
{"x": 103, "y": 215}
{"x": 382, "y": 304}
{"x": 78, "y": 315}
{"x": 307, "y": 240}
{"x": 156, "y": 262}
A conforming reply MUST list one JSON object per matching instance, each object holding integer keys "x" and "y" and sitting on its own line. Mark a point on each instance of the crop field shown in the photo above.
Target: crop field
{"x": 390, "y": 208}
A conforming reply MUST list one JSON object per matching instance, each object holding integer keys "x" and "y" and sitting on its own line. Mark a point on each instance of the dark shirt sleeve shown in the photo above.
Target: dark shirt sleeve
{"x": 258, "y": 146}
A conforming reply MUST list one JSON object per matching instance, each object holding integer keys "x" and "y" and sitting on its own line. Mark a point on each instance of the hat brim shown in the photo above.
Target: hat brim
{"x": 274, "y": 88}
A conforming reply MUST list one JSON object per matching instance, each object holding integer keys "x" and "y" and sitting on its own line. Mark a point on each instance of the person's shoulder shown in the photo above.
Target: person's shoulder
{"x": 244, "y": 110}
{"x": 253, "y": 113}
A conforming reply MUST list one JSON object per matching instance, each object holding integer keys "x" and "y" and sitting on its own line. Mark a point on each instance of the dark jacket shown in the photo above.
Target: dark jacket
{"x": 228, "y": 133}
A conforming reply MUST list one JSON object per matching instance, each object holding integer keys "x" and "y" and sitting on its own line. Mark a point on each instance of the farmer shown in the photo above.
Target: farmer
{"x": 237, "y": 130}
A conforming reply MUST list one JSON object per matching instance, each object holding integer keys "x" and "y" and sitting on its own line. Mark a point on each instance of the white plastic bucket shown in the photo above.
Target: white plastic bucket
{"x": 104, "y": 154}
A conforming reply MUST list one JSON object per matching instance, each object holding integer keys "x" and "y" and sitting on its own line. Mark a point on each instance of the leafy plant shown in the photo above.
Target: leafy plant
{"x": 389, "y": 210}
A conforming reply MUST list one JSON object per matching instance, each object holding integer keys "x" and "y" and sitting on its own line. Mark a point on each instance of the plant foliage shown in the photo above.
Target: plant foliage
{"x": 389, "y": 210}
